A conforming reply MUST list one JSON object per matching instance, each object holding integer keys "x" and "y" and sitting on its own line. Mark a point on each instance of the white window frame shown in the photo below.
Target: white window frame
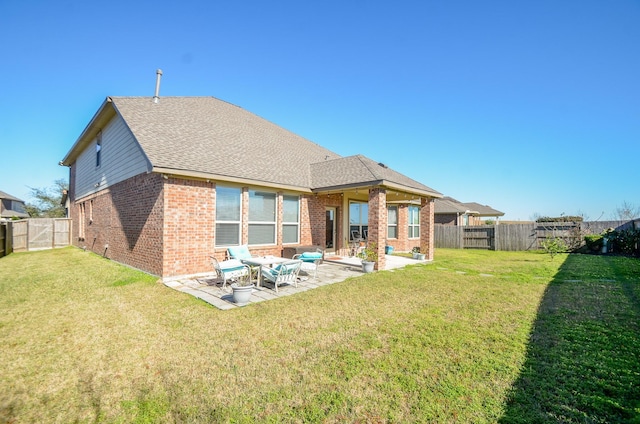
{"x": 263, "y": 223}
{"x": 291, "y": 223}
{"x": 99, "y": 149}
{"x": 390, "y": 224}
{"x": 229, "y": 222}
{"x": 363, "y": 222}
{"x": 415, "y": 234}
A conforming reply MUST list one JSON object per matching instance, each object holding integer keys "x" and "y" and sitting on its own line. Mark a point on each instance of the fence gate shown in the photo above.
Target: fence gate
{"x": 41, "y": 233}
{"x": 20, "y": 233}
{"x": 480, "y": 237}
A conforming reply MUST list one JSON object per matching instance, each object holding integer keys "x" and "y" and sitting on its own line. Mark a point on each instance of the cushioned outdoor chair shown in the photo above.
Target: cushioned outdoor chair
{"x": 286, "y": 272}
{"x": 230, "y": 270}
{"x": 239, "y": 252}
{"x": 242, "y": 252}
{"x": 310, "y": 262}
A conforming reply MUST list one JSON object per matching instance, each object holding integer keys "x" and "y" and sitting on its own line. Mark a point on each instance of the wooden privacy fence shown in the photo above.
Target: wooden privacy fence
{"x": 516, "y": 237}
{"x": 40, "y": 233}
{"x": 4, "y": 248}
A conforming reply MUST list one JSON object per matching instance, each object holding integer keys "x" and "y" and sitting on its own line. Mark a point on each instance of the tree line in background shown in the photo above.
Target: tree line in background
{"x": 47, "y": 201}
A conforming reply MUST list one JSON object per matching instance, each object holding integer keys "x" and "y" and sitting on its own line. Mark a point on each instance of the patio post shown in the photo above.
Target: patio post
{"x": 378, "y": 223}
{"x": 427, "y": 208}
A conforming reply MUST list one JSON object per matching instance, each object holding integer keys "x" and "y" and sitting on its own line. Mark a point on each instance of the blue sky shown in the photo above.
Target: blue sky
{"x": 531, "y": 107}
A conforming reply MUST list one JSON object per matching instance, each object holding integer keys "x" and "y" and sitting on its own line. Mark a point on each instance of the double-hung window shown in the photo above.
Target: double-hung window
{"x": 414, "y": 222}
{"x": 262, "y": 217}
{"x": 290, "y": 219}
{"x": 392, "y": 222}
{"x": 358, "y": 220}
{"x": 228, "y": 216}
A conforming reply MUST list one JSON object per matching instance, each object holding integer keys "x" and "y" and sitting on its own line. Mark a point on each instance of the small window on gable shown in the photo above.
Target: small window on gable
{"x": 98, "y": 148}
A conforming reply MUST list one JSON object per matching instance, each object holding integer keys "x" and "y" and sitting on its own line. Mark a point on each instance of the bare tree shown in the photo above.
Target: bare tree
{"x": 627, "y": 211}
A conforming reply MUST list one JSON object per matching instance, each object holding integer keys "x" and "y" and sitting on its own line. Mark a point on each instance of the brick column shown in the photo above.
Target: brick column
{"x": 426, "y": 227}
{"x": 378, "y": 223}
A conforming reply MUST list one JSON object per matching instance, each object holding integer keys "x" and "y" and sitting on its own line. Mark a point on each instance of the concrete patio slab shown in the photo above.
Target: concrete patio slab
{"x": 208, "y": 288}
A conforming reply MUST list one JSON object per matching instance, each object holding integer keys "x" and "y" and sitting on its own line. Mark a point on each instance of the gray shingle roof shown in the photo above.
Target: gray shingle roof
{"x": 207, "y": 135}
{"x": 450, "y": 205}
{"x": 483, "y": 210}
{"x": 359, "y": 170}
{"x": 4, "y": 195}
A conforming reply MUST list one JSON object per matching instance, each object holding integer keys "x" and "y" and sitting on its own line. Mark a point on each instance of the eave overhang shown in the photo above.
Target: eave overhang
{"x": 378, "y": 183}
{"x": 102, "y": 117}
{"x": 170, "y": 172}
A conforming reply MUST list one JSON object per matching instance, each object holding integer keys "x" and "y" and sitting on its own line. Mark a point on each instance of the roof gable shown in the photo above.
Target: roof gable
{"x": 359, "y": 171}
{"x": 209, "y": 136}
{"x": 7, "y": 196}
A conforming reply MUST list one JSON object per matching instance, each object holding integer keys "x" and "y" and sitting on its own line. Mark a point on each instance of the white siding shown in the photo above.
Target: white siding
{"x": 121, "y": 158}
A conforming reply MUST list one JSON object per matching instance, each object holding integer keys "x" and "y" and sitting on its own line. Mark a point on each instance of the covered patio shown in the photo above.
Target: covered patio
{"x": 338, "y": 269}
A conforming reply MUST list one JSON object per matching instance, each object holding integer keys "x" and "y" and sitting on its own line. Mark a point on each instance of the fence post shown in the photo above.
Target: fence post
{"x": 496, "y": 239}
{"x": 8, "y": 247}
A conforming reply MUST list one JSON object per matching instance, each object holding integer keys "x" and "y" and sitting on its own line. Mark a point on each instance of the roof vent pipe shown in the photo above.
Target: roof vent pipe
{"x": 156, "y": 95}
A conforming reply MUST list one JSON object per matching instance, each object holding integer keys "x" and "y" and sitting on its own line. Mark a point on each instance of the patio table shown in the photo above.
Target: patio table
{"x": 261, "y": 261}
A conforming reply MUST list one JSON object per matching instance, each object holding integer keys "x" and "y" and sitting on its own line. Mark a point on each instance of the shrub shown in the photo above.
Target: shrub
{"x": 554, "y": 245}
{"x": 625, "y": 241}
{"x": 370, "y": 253}
{"x": 594, "y": 242}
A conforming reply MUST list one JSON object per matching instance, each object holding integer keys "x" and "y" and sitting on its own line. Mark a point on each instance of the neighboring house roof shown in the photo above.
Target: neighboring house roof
{"x": 483, "y": 210}
{"x": 209, "y": 138}
{"x": 450, "y": 205}
{"x": 9, "y": 213}
{"x": 4, "y": 195}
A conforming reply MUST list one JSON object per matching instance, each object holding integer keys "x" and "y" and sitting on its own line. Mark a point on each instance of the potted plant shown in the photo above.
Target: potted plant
{"x": 242, "y": 289}
{"x": 416, "y": 254}
{"x": 369, "y": 257}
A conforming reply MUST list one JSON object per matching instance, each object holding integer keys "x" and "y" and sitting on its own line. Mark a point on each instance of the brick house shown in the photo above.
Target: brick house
{"x": 449, "y": 211}
{"x": 160, "y": 186}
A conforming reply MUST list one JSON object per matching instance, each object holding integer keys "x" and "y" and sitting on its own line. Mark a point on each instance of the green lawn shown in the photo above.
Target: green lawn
{"x": 474, "y": 337}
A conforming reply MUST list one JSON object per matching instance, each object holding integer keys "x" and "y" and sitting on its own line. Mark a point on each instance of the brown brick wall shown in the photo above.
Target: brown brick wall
{"x": 314, "y": 228}
{"x": 378, "y": 223}
{"x": 402, "y": 244}
{"x": 427, "y": 228}
{"x": 189, "y": 228}
{"x": 166, "y": 226}
{"x": 124, "y": 222}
